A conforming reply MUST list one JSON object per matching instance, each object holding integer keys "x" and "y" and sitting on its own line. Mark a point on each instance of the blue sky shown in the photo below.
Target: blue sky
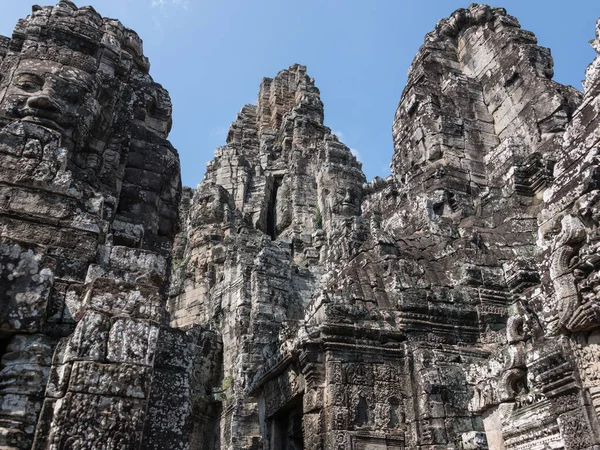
{"x": 212, "y": 55}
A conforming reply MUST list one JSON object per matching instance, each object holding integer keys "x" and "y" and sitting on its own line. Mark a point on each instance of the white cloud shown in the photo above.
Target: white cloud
{"x": 157, "y": 25}
{"x": 339, "y": 134}
{"x": 220, "y": 132}
{"x": 355, "y": 153}
{"x": 164, "y": 3}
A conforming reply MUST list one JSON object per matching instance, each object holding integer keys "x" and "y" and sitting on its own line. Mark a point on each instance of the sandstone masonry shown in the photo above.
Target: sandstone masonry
{"x": 286, "y": 302}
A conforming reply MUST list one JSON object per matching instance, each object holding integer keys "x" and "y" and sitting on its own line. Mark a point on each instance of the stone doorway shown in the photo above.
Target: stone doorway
{"x": 286, "y": 427}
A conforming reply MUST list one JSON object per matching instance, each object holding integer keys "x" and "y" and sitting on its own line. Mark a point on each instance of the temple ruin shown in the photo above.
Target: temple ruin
{"x": 287, "y": 302}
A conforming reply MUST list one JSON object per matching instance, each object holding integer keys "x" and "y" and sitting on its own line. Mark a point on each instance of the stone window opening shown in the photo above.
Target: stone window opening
{"x": 4, "y": 340}
{"x": 272, "y": 208}
{"x": 396, "y": 413}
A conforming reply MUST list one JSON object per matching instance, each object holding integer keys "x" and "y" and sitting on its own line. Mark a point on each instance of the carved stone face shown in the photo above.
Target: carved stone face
{"x": 50, "y": 94}
{"x": 211, "y": 205}
{"x": 350, "y": 203}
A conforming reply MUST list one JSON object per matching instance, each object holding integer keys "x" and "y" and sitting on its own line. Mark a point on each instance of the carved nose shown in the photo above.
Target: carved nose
{"x": 42, "y": 102}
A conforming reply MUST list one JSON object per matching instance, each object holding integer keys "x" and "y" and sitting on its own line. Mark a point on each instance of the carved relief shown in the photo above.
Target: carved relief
{"x": 411, "y": 312}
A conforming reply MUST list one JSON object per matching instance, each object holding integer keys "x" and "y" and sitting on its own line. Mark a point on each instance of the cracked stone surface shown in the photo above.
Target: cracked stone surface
{"x": 286, "y": 302}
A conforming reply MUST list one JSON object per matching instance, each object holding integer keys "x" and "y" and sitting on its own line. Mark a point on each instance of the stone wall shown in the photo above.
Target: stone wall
{"x": 90, "y": 191}
{"x": 285, "y": 302}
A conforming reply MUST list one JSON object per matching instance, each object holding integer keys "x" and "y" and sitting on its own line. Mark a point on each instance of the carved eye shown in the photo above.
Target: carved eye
{"x": 29, "y": 86}
{"x": 29, "y": 82}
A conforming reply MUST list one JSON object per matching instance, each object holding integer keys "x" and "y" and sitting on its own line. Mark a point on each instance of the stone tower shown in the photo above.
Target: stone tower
{"x": 90, "y": 191}
{"x": 286, "y": 303}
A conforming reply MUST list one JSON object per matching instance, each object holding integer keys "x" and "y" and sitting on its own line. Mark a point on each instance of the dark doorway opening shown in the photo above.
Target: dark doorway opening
{"x": 4, "y": 341}
{"x": 272, "y": 208}
{"x": 287, "y": 428}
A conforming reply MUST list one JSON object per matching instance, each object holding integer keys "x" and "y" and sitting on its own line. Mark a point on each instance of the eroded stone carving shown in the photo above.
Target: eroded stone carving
{"x": 285, "y": 303}
{"x": 90, "y": 192}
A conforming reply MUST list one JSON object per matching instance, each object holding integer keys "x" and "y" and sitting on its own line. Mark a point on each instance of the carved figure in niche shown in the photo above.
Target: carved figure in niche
{"x": 397, "y": 414}
{"x": 487, "y": 394}
{"x": 381, "y": 415}
{"x": 389, "y": 415}
{"x": 361, "y": 414}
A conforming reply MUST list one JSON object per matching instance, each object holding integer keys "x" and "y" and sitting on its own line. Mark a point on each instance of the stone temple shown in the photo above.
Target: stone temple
{"x": 286, "y": 302}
